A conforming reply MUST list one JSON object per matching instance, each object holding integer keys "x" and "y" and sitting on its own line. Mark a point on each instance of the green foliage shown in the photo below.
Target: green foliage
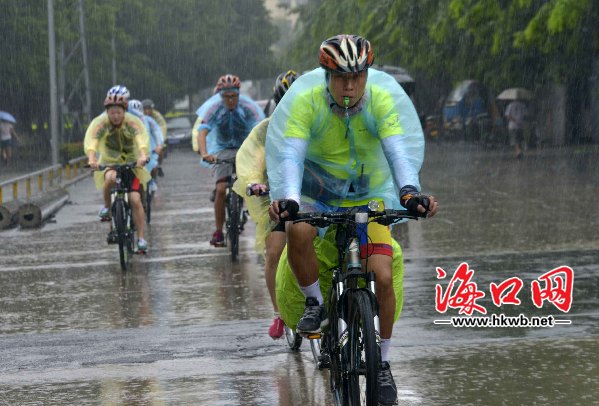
{"x": 71, "y": 150}
{"x": 503, "y": 43}
{"x": 163, "y": 49}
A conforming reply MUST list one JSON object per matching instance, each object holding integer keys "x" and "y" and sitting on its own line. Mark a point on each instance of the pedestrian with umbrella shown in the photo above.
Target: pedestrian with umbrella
{"x": 517, "y": 115}
{"x": 7, "y": 133}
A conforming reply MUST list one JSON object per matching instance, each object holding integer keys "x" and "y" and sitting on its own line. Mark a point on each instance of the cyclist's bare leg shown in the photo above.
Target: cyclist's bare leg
{"x": 275, "y": 242}
{"x": 139, "y": 216}
{"x": 302, "y": 256}
{"x": 219, "y": 205}
{"x": 109, "y": 183}
{"x": 381, "y": 265}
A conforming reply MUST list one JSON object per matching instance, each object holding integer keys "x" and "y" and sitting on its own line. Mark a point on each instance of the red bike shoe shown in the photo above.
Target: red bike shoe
{"x": 277, "y": 328}
{"x": 218, "y": 239}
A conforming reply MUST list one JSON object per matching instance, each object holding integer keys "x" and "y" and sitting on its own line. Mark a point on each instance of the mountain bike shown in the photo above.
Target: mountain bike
{"x": 350, "y": 345}
{"x": 235, "y": 216}
{"x": 122, "y": 221}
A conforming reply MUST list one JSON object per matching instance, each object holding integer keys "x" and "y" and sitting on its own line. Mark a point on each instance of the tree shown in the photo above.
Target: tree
{"x": 500, "y": 43}
{"x": 164, "y": 49}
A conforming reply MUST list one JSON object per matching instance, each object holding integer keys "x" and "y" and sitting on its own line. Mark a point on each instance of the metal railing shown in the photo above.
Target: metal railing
{"x": 46, "y": 178}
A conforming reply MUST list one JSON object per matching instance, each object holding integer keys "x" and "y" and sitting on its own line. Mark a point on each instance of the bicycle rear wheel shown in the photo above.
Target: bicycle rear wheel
{"x": 233, "y": 232}
{"x": 361, "y": 355}
{"x": 149, "y": 196}
{"x": 123, "y": 239}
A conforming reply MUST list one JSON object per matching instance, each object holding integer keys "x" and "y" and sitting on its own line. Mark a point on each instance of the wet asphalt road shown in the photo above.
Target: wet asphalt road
{"x": 188, "y": 327}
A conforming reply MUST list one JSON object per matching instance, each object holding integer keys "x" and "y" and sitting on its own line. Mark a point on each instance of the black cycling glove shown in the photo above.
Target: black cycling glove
{"x": 289, "y": 206}
{"x": 411, "y": 198}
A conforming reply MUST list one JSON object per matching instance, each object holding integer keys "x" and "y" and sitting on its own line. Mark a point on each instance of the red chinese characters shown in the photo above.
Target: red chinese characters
{"x": 557, "y": 288}
{"x": 461, "y": 292}
{"x": 510, "y": 296}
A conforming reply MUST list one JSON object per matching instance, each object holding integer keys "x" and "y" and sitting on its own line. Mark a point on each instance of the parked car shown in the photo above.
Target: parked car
{"x": 179, "y": 130}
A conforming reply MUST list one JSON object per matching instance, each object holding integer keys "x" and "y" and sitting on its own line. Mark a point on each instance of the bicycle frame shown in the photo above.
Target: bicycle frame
{"x": 352, "y": 309}
{"x": 122, "y": 220}
{"x": 235, "y": 218}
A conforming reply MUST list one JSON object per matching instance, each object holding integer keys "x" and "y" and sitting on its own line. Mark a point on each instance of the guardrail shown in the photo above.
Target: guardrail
{"x": 45, "y": 178}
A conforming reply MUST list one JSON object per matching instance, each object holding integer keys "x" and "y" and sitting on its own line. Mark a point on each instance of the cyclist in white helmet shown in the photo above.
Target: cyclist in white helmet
{"x": 116, "y": 138}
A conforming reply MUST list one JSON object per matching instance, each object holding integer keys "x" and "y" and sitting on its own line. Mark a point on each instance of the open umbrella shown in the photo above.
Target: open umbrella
{"x": 515, "y": 93}
{"x": 7, "y": 117}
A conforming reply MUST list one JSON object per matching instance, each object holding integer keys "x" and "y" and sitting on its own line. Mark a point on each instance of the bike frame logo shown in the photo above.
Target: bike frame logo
{"x": 462, "y": 293}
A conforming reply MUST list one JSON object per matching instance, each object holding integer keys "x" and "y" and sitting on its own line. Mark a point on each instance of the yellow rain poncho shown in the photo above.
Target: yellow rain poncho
{"x": 195, "y": 131}
{"x": 117, "y": 145}
{"x": 251, "y": 168}
{"x": 291, "y": 300}
{"x": 159, "y": 118}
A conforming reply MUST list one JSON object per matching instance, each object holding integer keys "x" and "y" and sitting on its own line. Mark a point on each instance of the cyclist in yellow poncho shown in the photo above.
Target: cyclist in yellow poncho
{"x": 252, "y": 181}
{"x": 116, "y": 138}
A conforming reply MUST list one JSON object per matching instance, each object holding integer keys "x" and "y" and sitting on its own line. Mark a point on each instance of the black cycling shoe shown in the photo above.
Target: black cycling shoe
{"x": 314, "y": 318}
{"x": 387, "y": 388}
{"x": 213, "y": 195}
{"x": 160, "y": 172}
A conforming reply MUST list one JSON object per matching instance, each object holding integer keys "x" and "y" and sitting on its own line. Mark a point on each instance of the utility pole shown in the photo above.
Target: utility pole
{"x": 53, "y": 89}
{"x": 87, "y": 108}
{"x": 113, "y": 61}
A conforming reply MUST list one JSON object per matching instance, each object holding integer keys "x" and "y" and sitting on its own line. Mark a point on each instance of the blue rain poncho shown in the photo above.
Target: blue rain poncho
{"x": 156, "y": 137}
{"x": 227, "y": 129}
{"x": 344, "y": 158}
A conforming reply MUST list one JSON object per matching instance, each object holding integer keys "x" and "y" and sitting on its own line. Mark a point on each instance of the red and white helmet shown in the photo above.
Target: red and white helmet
{"x": 346, "y": 53}
{"x": 226, "y": 82}
{"x": 117, "y": 96}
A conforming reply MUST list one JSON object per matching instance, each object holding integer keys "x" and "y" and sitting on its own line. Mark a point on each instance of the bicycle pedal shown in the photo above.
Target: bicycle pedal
{"x": 324, "y": 362}
{"x": 104, "y": 219}
{"x": 313, "y": 336}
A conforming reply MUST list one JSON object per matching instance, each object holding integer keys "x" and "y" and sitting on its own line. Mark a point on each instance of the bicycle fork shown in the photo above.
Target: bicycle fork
{"x": 354, "y": 264}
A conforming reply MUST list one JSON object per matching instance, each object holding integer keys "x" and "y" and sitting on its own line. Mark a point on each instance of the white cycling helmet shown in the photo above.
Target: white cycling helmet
{"x": 136, "y": 107}
{"x": 119, "y": 90}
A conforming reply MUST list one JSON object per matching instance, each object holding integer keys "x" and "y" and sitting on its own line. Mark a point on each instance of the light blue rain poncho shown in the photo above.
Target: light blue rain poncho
{"x": 227, "y": 129}
{"x": 156, "y": 136}
{"x": 344, "y": 157}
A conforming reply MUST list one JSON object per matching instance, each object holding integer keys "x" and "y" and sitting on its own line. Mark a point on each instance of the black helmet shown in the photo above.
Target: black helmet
{"x": 284, "y": 81}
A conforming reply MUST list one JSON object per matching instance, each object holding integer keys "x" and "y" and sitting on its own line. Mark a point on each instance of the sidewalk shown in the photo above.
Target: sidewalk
{"x": 31, "y": 184}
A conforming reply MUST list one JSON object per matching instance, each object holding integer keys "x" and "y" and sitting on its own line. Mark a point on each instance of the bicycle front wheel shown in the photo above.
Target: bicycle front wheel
{"x": 120, "y": 223}
{"x": 361, "y": 354}
{"x": 234, "y": 214}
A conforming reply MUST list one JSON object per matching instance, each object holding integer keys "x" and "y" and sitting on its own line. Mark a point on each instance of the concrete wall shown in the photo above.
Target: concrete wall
{"x": 551, "y": 115}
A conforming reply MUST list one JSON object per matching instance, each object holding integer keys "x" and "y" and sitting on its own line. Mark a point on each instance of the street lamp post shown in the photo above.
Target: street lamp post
{"x": 53, "y": 87}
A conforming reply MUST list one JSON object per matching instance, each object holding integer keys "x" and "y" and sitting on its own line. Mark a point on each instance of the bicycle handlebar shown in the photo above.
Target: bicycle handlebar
{"x": 218, "y": 161}
{"x": 324, "y": 219}
{"x": 114, "y": 166}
